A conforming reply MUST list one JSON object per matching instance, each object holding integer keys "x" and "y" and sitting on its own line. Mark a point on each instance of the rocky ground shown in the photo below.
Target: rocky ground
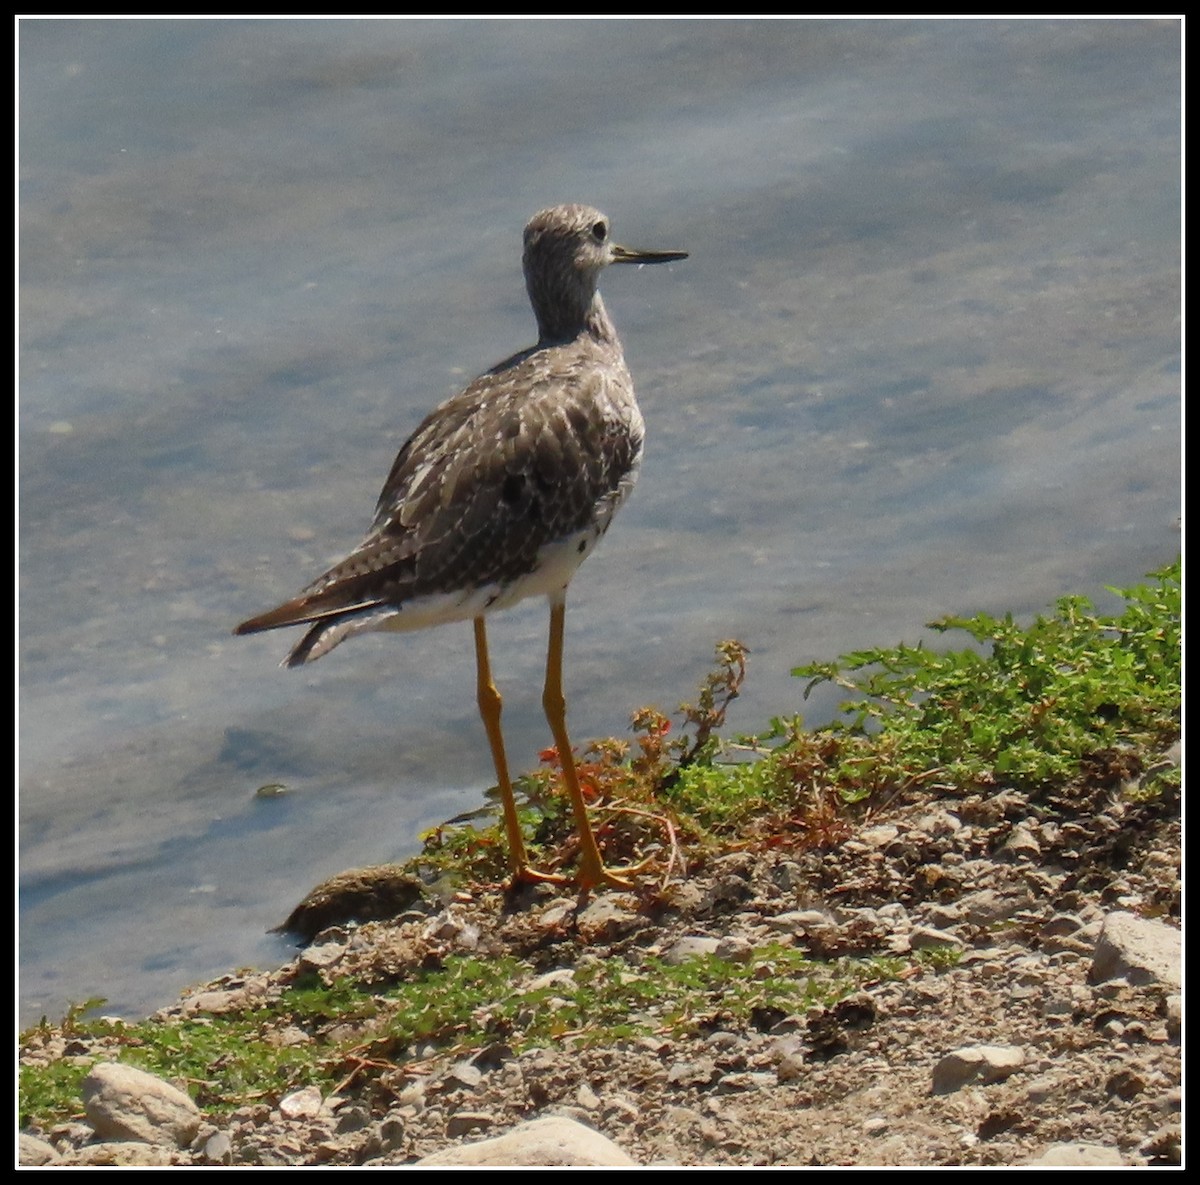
{"x": 1054, "y": 1038}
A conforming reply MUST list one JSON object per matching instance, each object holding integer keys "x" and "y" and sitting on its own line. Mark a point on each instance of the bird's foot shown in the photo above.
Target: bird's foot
{"x": 592, "y": 874}
{"x": 524, "y": 875}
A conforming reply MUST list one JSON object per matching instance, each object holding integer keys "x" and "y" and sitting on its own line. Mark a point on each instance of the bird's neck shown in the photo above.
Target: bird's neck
{"x": 597, "y": 323}
{"x": 559, "y": 321}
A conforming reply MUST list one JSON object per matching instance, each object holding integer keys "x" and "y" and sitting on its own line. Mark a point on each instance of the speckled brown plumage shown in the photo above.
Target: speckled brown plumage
{"x": 534, "y": 457}
{"x": 500, "y": 494}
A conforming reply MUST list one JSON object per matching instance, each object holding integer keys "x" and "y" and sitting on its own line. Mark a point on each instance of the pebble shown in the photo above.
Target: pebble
{"x": 623, "y": 1108}
{"x": 605, "y": 919}
{"x": 32, "y": 1152}
{"x": 691, "y": 946}
{"x": 122, "y": 1154}
{"x": 222, "y": 1000}
{"x": 984, "y": 907}
{"x": 462, "y": 1122}
{"x": 700, "y": 1072}
{"x": 321, "y": 955}
{"x": 560, "y": 977}
{"x": 1021, "y": 844}
{"x": 301, "y": 1104}
{"x": 218, "y": 1148}
{"x": 927, "y": 938}
{"x": 976, "y": 1063}
{"x": 735, "y": 949}
{"x": 464, "y": 1074}
{"x": 745, "y": 1080}
{"x": 878, "y": 836}
{"x": 800, "y": 921}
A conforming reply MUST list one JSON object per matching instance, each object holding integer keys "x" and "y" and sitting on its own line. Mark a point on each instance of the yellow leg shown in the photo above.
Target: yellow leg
{"x": 490, "y": 705}
{"x": 591, "y": 865}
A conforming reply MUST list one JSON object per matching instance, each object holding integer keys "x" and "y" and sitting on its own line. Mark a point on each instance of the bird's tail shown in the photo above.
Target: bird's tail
{"x": 324, "y": 633}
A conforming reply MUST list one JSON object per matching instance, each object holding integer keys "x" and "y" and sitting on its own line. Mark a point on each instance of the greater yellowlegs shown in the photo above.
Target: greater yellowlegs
{"x": 500, "y": 494}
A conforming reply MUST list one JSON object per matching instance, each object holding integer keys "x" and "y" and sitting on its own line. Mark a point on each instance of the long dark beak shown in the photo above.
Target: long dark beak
{"x": 629, "y": 255}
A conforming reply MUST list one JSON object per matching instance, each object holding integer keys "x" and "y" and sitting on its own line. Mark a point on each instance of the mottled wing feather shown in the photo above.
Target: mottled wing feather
{"x": 521, "y": 458}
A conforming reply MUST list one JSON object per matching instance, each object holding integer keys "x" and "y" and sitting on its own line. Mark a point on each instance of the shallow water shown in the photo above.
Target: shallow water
{"x": 924, "y": 358}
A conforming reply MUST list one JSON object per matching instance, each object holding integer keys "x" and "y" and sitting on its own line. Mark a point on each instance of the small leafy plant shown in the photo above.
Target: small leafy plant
{"x": 1074, "y": 693}
{"x": 1029, "y": 705}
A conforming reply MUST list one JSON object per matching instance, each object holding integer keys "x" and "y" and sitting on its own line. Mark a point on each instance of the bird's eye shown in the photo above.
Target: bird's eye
{"x": 600, "y": 232}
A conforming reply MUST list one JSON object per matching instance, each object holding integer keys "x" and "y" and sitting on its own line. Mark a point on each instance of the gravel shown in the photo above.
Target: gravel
{"x": 1051, "y": 1036}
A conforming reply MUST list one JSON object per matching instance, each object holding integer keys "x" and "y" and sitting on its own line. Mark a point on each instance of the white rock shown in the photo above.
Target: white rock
{"x": 321, "y": 955}
{"x": 124, "y": 1103}
{"x": 690, "y": 946}
{"x": 624, "y": 1108}
{"x": 1021, "y": 844}
{"x": 939, "y": 823}
{"x": 543, "y": 1143}
{"x": 121, "y": 1154}
{"x": 1139, "y": 950}
{"x": 735, "y": 949}
{"x": 1078, "y": 1155}
{"x": 878, "y": 836}
{"x": 32, "y": 1151}
{"x": 606, "y": 918}
{"x": 304, "y": 1103}
{"x": 218, "y": 1148}
{"x": 976, "y": 1063}
{"x": 560, "y": 977}
{"x": 450, "y": 927}
{"x": 465, "y": 1074}
{"x": 217, "y": 1001}
{"x": 800, "y": 921}
{"x": 927, "y": 938}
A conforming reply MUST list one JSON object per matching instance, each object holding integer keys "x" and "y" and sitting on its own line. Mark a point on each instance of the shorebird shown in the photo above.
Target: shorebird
{"x": 500, "y": 494}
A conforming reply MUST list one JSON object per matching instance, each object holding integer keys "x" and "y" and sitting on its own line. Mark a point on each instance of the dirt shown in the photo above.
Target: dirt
{"x": 1018, "y": 887}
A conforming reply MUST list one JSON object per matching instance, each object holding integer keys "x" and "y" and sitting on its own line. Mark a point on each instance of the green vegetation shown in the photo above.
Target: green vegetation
{"x": 1073, "y": 695}
{"x": 1045, "y": 707}
{"x": 461, "y": 1006}
{"x": 1032, "y": 709}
